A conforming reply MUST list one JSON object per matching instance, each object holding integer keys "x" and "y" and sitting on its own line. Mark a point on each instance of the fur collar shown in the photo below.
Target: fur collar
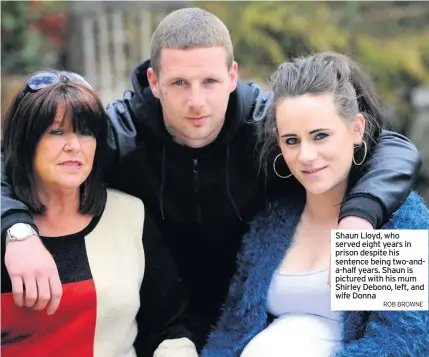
{"x": 264, "y": 247}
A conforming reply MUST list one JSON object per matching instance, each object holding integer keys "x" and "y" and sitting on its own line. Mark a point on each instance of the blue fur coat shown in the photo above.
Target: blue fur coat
{"x": 364, "y": 334}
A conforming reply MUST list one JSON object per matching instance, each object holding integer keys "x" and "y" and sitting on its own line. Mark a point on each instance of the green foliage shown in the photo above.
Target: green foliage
{"x": 24, "y": 45}
{"x": 390, "y": 39}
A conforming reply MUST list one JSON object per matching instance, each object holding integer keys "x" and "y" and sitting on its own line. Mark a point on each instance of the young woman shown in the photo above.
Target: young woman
{"x": 326, "y": 121}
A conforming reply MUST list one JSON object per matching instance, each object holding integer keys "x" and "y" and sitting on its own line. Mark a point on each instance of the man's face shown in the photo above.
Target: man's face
{"x": 193, "y": 86}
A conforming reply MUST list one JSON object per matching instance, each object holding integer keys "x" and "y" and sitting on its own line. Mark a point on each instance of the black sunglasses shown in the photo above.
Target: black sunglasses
{"x": 45, "y": 79}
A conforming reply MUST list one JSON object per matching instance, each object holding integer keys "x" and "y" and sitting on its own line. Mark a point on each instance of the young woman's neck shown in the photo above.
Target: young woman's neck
{"x": 325, "y": 207}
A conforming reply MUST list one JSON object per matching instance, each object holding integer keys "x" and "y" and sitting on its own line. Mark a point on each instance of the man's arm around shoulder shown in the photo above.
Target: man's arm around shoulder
{"x": 387, "y": 180}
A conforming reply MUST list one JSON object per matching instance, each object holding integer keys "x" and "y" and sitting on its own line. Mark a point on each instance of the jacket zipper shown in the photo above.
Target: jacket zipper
{"x": 197, "y": 187}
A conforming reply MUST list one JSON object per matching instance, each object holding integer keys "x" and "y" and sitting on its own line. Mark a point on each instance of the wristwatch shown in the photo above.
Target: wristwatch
{"x": 19, "y": 231}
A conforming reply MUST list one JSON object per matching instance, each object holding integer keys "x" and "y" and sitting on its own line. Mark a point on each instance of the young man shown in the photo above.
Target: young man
{"x": 185, "y": 141}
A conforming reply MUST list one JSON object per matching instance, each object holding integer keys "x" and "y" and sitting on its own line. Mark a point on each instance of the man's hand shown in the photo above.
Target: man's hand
{"x": 30, "y": 264}
{"x": 354, "y": 223}
{"x": 351, "y": 223}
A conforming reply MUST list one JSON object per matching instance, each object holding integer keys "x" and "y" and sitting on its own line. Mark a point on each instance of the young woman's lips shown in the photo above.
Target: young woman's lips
{"x": 313, "y": 171}
{"x": 196, "y": 118}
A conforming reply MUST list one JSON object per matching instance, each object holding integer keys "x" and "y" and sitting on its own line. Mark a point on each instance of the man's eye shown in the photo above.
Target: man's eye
{"x": 211, "y": 80}
{"x": 179, "y": 82}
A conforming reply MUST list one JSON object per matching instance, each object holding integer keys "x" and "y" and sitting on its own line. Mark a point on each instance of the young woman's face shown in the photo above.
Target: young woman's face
{"x": 316, "y": 143}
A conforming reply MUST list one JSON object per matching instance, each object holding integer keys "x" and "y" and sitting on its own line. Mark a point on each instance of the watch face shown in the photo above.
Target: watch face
{"x": 19, "y": 230}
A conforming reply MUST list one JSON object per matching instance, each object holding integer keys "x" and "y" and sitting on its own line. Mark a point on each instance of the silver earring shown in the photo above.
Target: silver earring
{"x": 364, "y": 156}
{"x": 274, "y": 168}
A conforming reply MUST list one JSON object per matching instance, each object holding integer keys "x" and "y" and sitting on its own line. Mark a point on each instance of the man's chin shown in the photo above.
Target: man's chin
{"x": 197, "y": 143}
{"x": 200, "y": 140}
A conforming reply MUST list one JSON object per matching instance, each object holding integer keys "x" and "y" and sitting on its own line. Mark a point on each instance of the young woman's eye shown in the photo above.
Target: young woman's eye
{"x": 291, "y": 141}
{"x": 321, "y": 136}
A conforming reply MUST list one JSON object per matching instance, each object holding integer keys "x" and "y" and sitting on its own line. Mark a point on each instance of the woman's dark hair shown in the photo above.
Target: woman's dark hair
{"x": 27, "y": 120}
{"x": 325, "y": 72}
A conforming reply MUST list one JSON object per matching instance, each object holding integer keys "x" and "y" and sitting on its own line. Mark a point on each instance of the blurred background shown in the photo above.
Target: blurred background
{"x": 104, "y": 41}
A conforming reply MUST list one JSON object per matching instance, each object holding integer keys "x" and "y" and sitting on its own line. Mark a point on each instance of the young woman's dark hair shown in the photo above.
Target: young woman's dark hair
{"x": 30, "y": 115}
{"x": 326, "y": 72}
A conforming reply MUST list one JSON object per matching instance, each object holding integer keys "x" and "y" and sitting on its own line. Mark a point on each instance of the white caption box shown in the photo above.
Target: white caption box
{"x": 379, "y": 270}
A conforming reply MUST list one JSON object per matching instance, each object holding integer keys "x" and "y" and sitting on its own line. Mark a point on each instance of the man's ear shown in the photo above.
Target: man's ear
{"x": 153, "y": 82}
{"x": 358, "y": 127}
{"x": 233, "y": 76}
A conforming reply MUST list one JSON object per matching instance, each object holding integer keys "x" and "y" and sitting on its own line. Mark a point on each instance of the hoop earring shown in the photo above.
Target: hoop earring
{"x": 364, "y": 156}
{"x": 274, "y": 168}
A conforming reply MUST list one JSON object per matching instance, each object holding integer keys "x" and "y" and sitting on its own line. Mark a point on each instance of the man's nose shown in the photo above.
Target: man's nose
{"x": 196, "y": 98}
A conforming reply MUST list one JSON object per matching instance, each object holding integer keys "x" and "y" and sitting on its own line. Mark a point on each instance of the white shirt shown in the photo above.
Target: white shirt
{"x": 304, "y": 326}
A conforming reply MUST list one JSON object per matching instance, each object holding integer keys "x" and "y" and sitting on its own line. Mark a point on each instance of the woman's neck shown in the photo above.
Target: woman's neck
{"x": 61, "y": 216}
{"x": 59, "y": 201}
{"x": 325, "y": 208}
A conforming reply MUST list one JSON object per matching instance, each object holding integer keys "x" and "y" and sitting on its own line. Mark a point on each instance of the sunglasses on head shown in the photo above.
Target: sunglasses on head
{"x": 45, "y": 79}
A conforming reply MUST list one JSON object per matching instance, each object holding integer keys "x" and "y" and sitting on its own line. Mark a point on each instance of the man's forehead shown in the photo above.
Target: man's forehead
{"x": 190, "y": 74}
{"x": 191, "y": 61}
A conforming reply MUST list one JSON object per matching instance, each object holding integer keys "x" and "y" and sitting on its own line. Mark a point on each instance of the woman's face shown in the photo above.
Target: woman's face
{"x": 64, "y": 159}
{"x": 317, "y": 144}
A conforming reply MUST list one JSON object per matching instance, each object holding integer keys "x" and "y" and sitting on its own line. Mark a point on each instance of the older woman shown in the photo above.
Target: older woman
{"x": 117, "y": 278}
{"x": 326, "y": 123}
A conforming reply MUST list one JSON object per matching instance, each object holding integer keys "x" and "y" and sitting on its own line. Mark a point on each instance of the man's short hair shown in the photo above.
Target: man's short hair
{"x": 190, "y": 28}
